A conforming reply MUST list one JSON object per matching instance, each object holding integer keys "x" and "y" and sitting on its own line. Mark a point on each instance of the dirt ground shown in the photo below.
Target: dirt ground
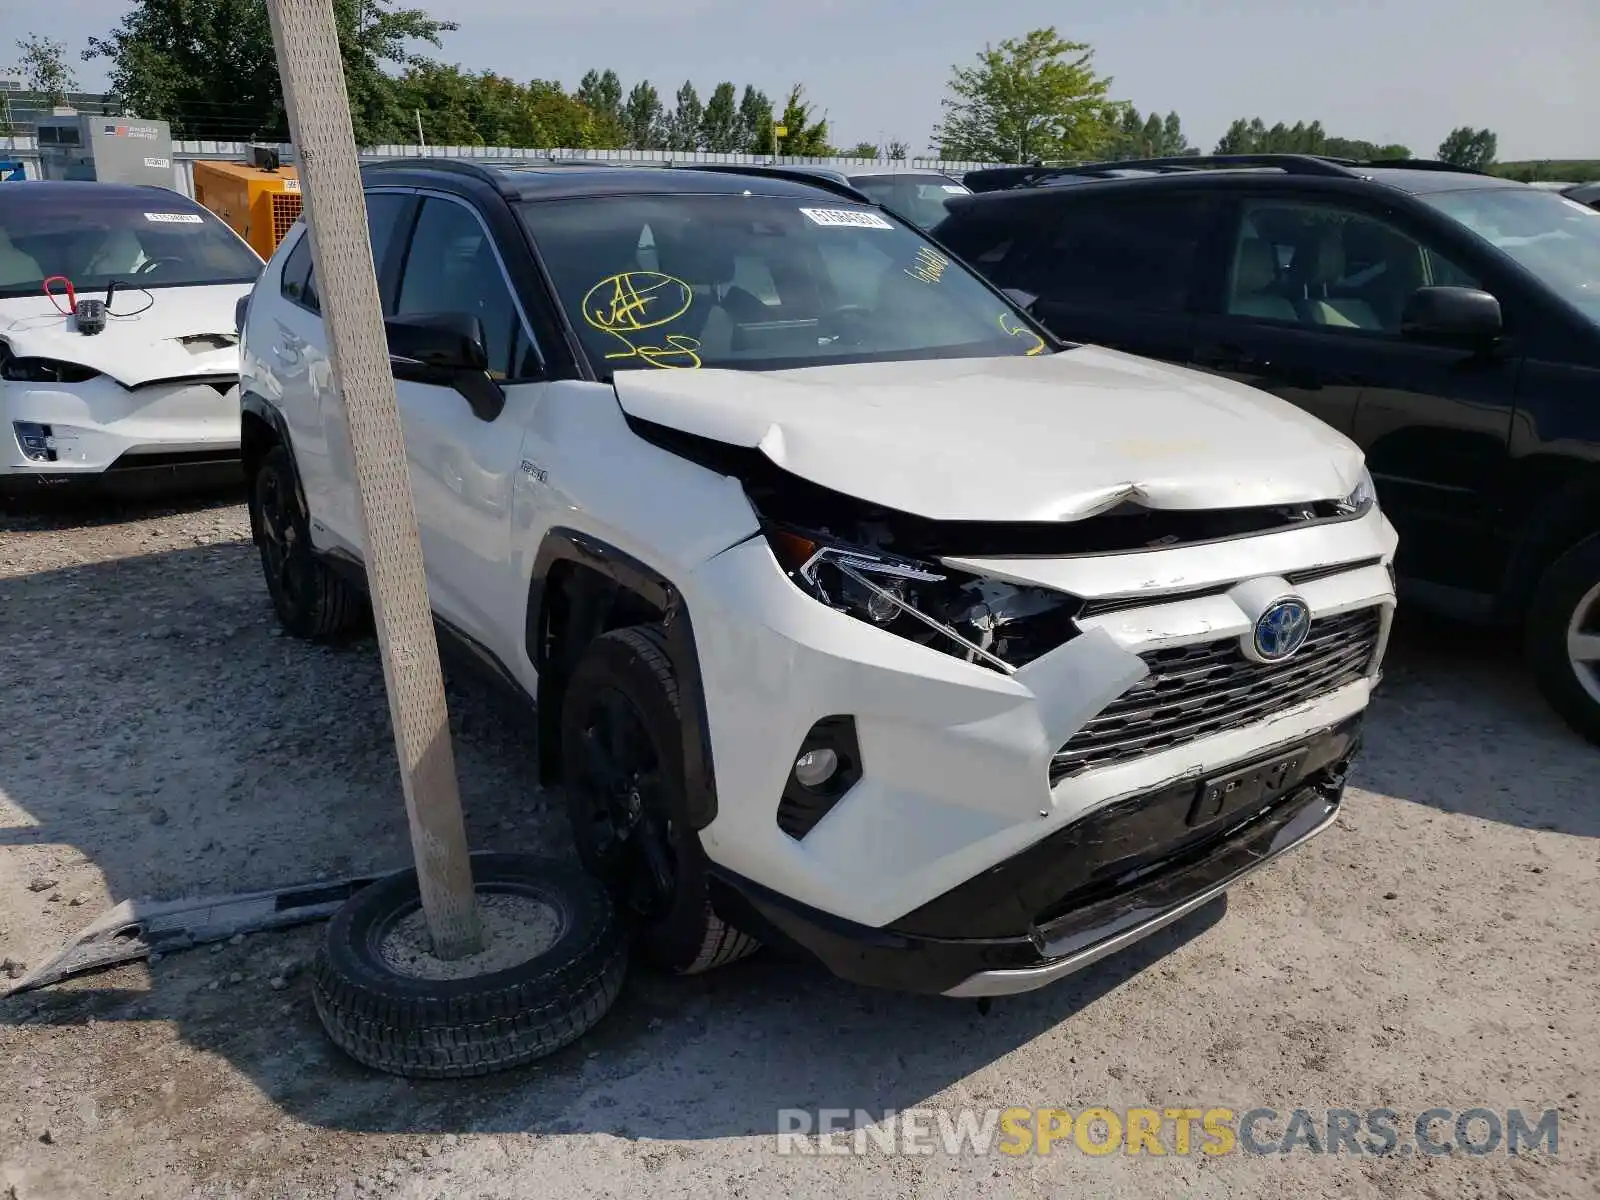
{"x": 1438, "y": 947}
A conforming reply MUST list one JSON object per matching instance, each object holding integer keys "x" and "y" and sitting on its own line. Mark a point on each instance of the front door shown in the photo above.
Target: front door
{"x": 1311, "y": 311}
{"x": 464, "y": 463}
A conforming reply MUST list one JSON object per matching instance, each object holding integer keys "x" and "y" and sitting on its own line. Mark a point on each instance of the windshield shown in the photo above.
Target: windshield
{"x": 1556, "y": 238}
{"x": 159, "y": 239}
{"x": 760, "y": 283}
{"x": 920, "y": 199}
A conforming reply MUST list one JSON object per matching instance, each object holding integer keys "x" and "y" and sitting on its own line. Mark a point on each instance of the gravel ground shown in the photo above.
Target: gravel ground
{"x": 157, "y": 738}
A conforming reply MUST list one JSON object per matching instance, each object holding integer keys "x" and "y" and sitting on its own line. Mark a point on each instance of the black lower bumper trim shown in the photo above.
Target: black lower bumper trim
{"x": 922, "y": 961}
{"x": 131, "y": 477}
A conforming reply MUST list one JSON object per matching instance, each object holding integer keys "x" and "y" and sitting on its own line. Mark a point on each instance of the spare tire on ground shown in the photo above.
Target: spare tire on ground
{"x": 552, "y": 964}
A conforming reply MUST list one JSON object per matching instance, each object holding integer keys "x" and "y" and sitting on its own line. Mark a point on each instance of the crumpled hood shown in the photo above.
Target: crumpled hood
{"x": 136, "y": 349}
{"x": 1051, "y": 438}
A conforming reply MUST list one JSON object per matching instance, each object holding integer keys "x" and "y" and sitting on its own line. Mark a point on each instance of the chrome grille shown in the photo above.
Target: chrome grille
{"x": 1197, "y": 690}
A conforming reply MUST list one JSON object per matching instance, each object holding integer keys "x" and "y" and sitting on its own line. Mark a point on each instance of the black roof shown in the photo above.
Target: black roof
{"x": 1409, "y": 175}
{"x": 558, "y": 181}
{"x": 45, "y": 189}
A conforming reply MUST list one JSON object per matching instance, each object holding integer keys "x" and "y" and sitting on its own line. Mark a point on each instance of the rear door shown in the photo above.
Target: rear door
{"x": 1122, "y": 269}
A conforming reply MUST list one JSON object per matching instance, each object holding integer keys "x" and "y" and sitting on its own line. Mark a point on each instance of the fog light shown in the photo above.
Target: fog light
{"x": 37, "y": 441}
{"x": 815, "y": 767}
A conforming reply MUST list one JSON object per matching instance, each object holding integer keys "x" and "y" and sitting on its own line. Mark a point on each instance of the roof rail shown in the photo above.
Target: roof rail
{"x": 453, "y": 166}
{"x": 826, "y": 182}
{"x": 1420, "y": 164}
{"x": 998, "y": 178}
{"x": 1289, "y": 164}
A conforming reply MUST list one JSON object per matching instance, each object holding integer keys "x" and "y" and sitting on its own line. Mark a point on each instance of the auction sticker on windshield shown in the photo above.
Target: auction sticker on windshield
{"x": 846, "y": 216}
{"x": 176, "y": 218}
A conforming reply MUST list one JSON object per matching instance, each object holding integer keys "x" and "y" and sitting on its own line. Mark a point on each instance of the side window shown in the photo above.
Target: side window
{"x": 451, "y": 268}
{"x": 1136, "y": 253}
{"x": 384, "y": 210}
{"x": 296, "y": 280}
{"x": 985, "y": 244}
{"x": 1330, "y": 267}
{"x": 384, "y": 213}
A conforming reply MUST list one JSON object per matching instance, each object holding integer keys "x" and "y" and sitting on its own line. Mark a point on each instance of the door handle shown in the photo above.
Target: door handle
{"x": 1229, "y": 356}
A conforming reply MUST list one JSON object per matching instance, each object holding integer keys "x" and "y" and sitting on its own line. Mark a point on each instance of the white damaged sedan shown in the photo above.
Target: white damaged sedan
{"x": 118, "y": 348}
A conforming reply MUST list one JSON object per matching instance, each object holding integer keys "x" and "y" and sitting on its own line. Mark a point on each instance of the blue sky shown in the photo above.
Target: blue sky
{"x": 1398, "y": 71}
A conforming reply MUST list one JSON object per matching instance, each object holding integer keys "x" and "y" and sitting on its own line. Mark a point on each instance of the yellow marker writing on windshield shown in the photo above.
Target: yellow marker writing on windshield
{"x": 929, "y": 266}
{"x": 634, "y": 302}
{"x": 1017, "y": 329}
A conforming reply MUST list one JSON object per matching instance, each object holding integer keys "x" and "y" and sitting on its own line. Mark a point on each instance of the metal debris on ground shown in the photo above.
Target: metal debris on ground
{"x": 138, "y": 929}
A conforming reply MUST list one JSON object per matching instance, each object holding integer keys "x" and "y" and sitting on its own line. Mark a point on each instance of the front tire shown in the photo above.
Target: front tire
{"x": 1563, "y": 637}
{"x": 311, "y": 600}
{"x": 622, "y": 755}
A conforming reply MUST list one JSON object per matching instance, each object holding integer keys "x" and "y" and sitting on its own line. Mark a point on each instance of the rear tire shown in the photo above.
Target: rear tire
{"x": 1563, "y": 637}
{"x": 311, "y": 600}
{"x": 622, "y": 755}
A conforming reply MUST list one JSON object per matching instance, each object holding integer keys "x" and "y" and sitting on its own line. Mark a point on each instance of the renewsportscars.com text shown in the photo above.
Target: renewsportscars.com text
{"x": 1178, "y": 1131}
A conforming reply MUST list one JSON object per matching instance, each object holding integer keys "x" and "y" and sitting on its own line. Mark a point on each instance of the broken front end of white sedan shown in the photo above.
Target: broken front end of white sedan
{"x": 118, "y": 352}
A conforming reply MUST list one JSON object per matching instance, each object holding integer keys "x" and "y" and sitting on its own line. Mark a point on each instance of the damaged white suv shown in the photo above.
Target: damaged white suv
{"x": 860, "y": 615}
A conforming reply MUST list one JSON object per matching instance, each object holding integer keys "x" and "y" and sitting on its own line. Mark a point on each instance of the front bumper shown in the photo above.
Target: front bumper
{"x": 102, "y": 434}
{"x": 959, "y": 764}
{"x": 1136, "y": 893}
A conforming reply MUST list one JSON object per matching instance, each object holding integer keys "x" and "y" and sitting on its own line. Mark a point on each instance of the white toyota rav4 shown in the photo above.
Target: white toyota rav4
{"x": 118, "y": 358}
{"x": 860, "y": 615}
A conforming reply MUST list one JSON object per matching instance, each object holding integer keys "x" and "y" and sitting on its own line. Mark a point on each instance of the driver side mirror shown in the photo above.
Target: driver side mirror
{"x": 1023, "y": 300}
{"x": 445, "y": 350}
{"x": 1452, "y": 316}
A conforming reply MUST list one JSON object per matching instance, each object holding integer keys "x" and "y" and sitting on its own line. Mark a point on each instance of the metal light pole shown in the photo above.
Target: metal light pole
{"x": 307, "y": 43}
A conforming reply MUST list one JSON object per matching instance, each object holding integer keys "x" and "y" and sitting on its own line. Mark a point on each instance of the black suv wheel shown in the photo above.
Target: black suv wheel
{"x": 311, "y": 600}
{"x": 1563, "y": 635}
{"x": 622, "y": 750}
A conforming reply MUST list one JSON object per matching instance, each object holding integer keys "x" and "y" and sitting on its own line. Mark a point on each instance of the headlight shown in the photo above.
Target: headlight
{"x": 41, "y": 370}
{"x": 983, "y": 621}
{"x": 1363, "y": 497}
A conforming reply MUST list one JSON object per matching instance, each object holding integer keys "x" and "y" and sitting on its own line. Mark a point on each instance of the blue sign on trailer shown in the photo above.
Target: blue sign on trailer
{"x": 11, "y": 171}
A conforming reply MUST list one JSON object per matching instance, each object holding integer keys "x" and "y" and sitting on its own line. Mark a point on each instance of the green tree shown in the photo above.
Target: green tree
{"x": 464, "y": 109}
{"x": 683, "y": 126}
{"x": 1031, "y": 98}
{"x": 1153, "y": 136}
{"x": 209, "y": 68}
{"x": 601, "y": 93}
{"x": 43, "y": 67}
{"x": 861, "y": 150}
{"x": 804, "y": 137}
{"x": 1254, "y": 137}
{"x": 719, "y": 125}
{"x": 755, "y": 122}
{"x": 898, "y": 152}
{"x": 1469, "y": 147}
{"x": 643, "y": 118}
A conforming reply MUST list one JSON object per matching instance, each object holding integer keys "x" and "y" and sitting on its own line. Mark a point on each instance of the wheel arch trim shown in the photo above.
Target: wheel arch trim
{"x": 562, "y": 545}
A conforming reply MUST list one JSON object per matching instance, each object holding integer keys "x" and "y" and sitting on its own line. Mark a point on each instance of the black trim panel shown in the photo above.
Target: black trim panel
{"x": 1098, "y": 852}
{"x": 630, "y": 575}
{"x": 931, "y": 964}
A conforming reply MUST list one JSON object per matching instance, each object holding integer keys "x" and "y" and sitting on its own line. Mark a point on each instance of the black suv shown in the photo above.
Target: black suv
{"x": 1446, "y": 320}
